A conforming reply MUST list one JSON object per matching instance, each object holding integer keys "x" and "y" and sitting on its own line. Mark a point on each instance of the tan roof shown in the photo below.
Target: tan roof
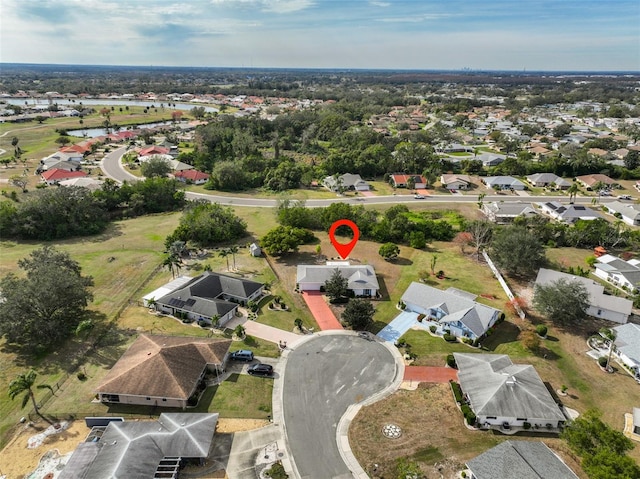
{"x": 163, "y": 366}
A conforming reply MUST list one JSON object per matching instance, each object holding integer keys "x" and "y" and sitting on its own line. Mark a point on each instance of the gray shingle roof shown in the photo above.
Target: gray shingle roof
{"x": 475, "y": 316}
{"x": 135, "y": 448}
{"x": 520, "y": 460}
{"x": 359, "y": 276}
{"x": 201, "y": 294}
{"x": 497, "y": 387}
{"x": 628, "y": 340}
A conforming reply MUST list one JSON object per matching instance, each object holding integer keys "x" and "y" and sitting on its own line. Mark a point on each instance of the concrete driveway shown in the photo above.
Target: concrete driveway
{"x": 324, "y": 376}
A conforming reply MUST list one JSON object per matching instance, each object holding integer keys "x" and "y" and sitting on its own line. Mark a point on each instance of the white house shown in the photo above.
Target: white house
{"x": 568, "y": 213}
{"x": 361, "y": 279}
{"x": 504, "y": 213}
{"x": 623, "y": 274}
{"x": 348, "y": 181}
{"x": 490, "y": 159}
{"x": 205, "y": 297}
{"x": 601, "y": 305}
{"x": 455, "y": 310}
{"x": 627, "y": 346}
{"x": 503, "y": 183}
{"x": 455, "y": 182}
{"x": 504, "y": 395}
{"x": 629, "y": 212}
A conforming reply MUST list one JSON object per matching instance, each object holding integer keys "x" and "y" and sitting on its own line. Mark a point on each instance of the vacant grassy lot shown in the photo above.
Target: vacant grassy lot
{"x": 433, "y": 434}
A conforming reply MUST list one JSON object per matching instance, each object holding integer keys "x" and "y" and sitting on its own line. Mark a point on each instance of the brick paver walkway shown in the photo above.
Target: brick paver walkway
{"x": 321, "y": 311}
{"x": 430, "y": 374}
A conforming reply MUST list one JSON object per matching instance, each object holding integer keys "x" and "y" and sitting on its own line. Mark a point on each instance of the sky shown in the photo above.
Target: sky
{"x": 549, "y": 35}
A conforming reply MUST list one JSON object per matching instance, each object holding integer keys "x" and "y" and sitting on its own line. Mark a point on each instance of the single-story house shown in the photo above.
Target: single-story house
{"x": 84, "y": 182}
{"x": 504, "y": 213}
{"x": 542, "y": 180}
{"x": 601, "y": 305}
{"x": 154, "y": 449}
{"x": 568, "y": 214}
{"x": 164, "y": 371}
{"x": 348, "y": 181}
{"x": 55, "y": 163}
{"x": 503, "y": 183}
{"x": 361, "y": 279}
{"x": 627, "y": 346}
{"x": 400, "y": 180}
{"x": 194, "y": 176}
{"x": 629, "y": 212}
{"x": 455, "y": 310}
{"x": 623, "y": 274}
{"x": 490, "y": 159}
{"x": 505, "y": 395}
{"x": 153, "y": 150}
{"x": 589, "y": 181}
{"x": 457, "y": 148}
{"x": 55, "y": 175}
{"x": 209, "y": 297}
{"x": 455, "y": 182}
{"x": 519, "y": 459}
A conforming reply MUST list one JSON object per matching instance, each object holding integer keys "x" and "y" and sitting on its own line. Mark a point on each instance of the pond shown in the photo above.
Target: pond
{"x": 93, "y": 132}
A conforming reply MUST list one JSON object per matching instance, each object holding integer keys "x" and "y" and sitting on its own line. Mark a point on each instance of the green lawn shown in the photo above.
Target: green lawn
{"x": 242, "y": 396}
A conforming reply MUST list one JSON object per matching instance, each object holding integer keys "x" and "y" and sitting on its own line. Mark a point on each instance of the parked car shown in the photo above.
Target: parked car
{"x": 260, "y": 369}
{"x": 419, "y": 197}
{"x": 242, "y": 355}
{"x": 625, "y": 197}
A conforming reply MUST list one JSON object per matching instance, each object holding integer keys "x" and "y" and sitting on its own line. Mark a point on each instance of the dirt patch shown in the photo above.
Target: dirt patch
{"x": 18, "y": 461}
{"x": 433, "y": 435}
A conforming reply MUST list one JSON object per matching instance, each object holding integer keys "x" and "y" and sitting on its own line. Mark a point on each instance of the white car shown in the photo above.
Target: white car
{"x": 419, "y": 197}
{"x": 625, "y": 197}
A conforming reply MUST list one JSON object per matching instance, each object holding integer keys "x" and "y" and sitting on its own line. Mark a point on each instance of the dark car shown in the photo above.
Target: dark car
{"x": 260, "y": 369}
{"x": 242, "y": 355}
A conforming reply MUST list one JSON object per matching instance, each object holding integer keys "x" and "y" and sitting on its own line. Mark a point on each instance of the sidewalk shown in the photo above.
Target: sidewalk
{"x": 269, "y": 333}
{"x": 321, "y": 311}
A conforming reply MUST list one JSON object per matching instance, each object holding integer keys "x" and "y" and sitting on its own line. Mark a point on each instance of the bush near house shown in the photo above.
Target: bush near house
{"x": 457, "y": 391}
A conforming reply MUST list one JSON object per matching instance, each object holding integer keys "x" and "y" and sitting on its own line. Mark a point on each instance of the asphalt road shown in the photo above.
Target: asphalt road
{"x": 113, "y": 169}
{"x": 324, "y": 377}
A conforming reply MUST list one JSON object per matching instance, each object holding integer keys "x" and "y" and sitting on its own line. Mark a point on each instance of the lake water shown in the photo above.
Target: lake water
{"x": 31, "y": 102}
{"x": 93, "y": 132}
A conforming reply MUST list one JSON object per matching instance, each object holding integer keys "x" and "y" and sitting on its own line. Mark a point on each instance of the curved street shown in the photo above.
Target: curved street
{"x": 325, "y": 376}
{"x": 112, "y": 168}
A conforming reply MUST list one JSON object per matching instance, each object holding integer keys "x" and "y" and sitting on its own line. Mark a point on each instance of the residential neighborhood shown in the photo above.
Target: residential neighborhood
{"x": 213, "y": 324}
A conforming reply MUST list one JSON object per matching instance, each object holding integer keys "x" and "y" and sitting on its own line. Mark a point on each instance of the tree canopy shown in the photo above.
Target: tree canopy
{"x": 562, "y": 300}
{"x": 156, "y": 166}
{"x": 46, "y": 306}
{"x": 358, "y": 314}
{"x": 517, "y": 251}
{"x": 336, "y": 286}
{"x": 389, "y": 251}
{"x": 207, "y": 224}
{"x": 284, "y": 239}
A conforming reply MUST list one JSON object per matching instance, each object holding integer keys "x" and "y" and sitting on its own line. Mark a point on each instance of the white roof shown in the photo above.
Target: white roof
{"x": 167, "y": 288}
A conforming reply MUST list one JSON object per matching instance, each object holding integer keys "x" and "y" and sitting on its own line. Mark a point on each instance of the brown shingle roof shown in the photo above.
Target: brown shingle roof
{"x": 163, "y": 366}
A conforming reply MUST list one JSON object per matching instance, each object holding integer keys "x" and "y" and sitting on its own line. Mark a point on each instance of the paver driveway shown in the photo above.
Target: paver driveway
{"x": 323, "y": 377}
{"x": 321, "y": 310}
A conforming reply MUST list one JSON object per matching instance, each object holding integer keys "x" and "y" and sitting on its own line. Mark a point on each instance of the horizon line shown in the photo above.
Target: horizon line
{"x": 348, "y": 69}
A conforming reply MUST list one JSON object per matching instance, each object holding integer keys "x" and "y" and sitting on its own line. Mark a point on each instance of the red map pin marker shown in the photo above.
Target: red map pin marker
{"x": 344, "y": 249}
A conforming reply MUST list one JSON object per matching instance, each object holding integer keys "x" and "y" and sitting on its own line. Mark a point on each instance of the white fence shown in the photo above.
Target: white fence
{"x": 504, "y": 284}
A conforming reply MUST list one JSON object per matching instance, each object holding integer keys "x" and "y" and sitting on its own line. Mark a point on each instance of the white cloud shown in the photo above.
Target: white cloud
{"x": 275, "y": 6}
{"x": 415, "y": 18}
{"x": 380, "y": 4}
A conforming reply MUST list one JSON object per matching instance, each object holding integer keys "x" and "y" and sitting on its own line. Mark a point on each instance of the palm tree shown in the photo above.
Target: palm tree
{"x": 24, "y": 384}
{"x": 225, "y": 254}
{"x": 610, "y": 335}
{"x": 233, "y": 250}
{"x": 573, "y": 191}
{"x": 173, "y": 264}
{"x": 599, "y": 187}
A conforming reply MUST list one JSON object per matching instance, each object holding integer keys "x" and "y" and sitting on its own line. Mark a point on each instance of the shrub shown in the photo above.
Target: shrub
{"x": 81, "y": 376}
{"x": 433, "y": 328}
{"x": 276, "y": 472}
{"x": 469, "y": 416}
{"x": 450, "y": 338}
{"x": 457, "y": 392}
{"x": 526, "y": 425}
{"x": 451, "y": 361}
{"x": 602, "y": 361}
{"x": 467, "y": 340}
{"x": 541, "y": 329}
